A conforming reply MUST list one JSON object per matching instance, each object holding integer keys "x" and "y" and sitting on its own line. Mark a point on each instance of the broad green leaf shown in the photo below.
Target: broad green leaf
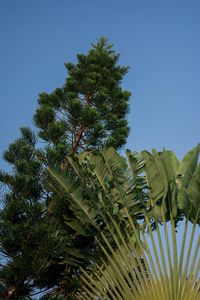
{"x": 194, "y": 189}
{"x": 170, "y": 163}
{"x": 76, "y": 195}
{"x": 194, "y": 194}
{"x": 183, "y": 199}
{"x": 188, "y": 166}
{"x": 156, "y": 175}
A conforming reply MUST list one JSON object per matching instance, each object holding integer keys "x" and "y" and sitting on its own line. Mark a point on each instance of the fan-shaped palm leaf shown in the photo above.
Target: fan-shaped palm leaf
{"x": 145, "y": 270}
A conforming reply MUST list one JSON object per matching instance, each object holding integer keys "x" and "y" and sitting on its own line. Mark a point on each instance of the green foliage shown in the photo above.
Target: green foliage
{"x": 34, "y": 248}
{"x": 23, "y": 227}
{"x": 101, "y": 193}
{"x": 29, "y": 242}
{"x": 151, "y": 182}
{"x": 127, "y": 267}
{"x": 104, "y": 184}
{"x": 89, "y": 111}
{"x": 174, "y": 185}
{"x": 155, "y": 274}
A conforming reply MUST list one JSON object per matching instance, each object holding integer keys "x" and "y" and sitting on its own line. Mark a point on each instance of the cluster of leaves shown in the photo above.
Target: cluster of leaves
{"x": 174, "y": 185}
{"x": 127, "y": 269}
{"x": 104, "y": 183}
{"x": 151, "y": 183}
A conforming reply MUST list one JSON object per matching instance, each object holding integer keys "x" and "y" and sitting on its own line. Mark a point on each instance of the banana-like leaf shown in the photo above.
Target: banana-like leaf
{"x": 111, "y": 181}
{"x": 193, "y": 192}
{"x": 76, "y": 194}
{"x": 173, "y": 185}
{"x": 171, "y": 164}
{"x": 188, "y": 167}
{"x": 187, "y": 181}
{"x": 156, "y": 176}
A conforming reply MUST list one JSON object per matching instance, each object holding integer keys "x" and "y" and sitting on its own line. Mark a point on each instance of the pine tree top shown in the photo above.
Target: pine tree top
{"x": 89, "y": 111}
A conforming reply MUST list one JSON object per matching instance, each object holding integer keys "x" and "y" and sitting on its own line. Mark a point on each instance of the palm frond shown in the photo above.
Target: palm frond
{"x": 152, "y": 268}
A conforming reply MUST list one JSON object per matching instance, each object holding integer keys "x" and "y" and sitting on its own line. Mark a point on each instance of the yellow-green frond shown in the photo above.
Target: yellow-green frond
{"x": 147, "y": 267}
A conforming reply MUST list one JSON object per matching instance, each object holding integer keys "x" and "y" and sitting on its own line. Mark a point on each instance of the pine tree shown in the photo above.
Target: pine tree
{"x": 87, "y": 113}
{"x": 27, "y": 240}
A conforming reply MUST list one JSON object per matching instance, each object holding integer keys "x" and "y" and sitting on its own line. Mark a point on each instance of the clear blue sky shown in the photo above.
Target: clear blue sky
{"x": 159, "y": 40}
